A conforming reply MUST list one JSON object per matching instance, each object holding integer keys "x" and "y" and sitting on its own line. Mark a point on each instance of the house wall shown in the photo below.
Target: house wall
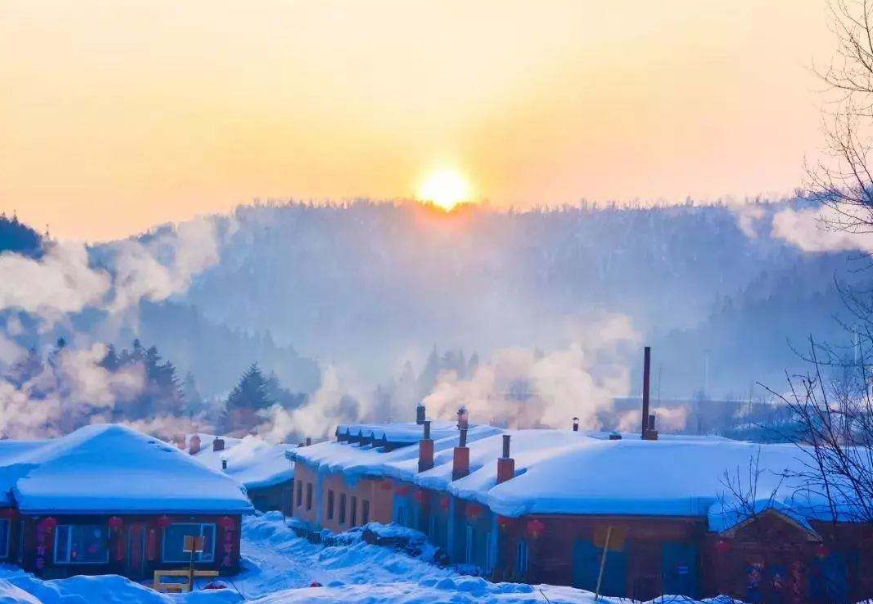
{"x": 366, "y": 499}
{"x": 35, "y": 539}
{"x": 277, "y": 497}
{"x": 645, "y": 554}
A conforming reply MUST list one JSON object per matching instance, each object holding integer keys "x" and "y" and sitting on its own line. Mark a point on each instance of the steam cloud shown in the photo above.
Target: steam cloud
{"x": 73, "y": 388}
{"x": 521, "y": 388}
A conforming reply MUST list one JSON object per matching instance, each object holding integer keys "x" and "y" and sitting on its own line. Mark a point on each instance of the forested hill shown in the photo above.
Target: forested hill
{"x": 17, "y": 237}
{"x": 374, "y": 284}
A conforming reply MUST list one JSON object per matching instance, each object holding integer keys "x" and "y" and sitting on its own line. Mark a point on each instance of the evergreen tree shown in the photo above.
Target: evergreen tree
{"x": 248, "y": 397}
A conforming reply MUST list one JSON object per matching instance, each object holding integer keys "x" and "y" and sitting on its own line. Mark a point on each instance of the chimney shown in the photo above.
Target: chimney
{"x": 461, "y": 459}
{"x": 224, "y": 464}
{"x": 647, "y": 362}
{"x": 425, "y": 449}
{"x": 463, "y": 418}
{"x": 308, "y": 441}
{"x": 651, "y": 432}
{"x": 419, "y": 414}
{"x": 505, "y": 465}
{"x": 615, "y": 435}
{"x": 218, "y": 444}
{"x": 194, "y": 445}
{"x": 575, "y": 424}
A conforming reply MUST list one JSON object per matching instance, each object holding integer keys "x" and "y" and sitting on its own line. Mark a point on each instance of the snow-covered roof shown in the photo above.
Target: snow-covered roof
{"x": 115, "y": 469}
{"x": 565, "y": 472}
{"x": 400, "y": 433}
{"x": 251, "y": 461}
{"x": 355, "y": 460}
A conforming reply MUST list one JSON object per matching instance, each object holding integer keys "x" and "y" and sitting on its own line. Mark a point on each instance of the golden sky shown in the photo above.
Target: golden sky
{"x": 115, "y": 116}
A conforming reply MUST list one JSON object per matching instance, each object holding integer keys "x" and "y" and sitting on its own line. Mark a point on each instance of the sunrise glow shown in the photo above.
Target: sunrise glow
{"x": 445, "y": 188}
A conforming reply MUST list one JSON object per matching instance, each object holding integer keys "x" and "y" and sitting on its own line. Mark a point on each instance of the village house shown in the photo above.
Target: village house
{"x": 262, "y": 468}
{"x": 621, "y": 514}
{"x": 107, "y": 499}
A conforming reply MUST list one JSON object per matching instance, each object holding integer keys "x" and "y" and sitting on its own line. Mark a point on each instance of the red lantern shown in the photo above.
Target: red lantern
{"x": 722, "y": 547}
{"x": 535, "y": 528}
{"x": 385, "y": 485}
{"x": 48, "y": 523}
{"x": 226, "y": 523}
{"x": 473, "y": 510}
{"x": 164, "y": 521}
{"x": 504, "y": 522}
{"x": 403, "y": 490}
{"x": 821, "y": 550}
{"x": 444, "y": 502}
{"x": 420, "y": 496}
{"x": 115, "y": 522}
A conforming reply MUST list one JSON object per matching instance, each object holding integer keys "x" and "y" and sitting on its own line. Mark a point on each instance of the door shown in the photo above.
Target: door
{"x": 679, "y": 570}
{"x": 136, "y": 550}
{"x": 587, "y": 560}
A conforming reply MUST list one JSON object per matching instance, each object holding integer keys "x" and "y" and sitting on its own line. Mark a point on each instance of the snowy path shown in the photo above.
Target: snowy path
{"x": 279, "y": 567}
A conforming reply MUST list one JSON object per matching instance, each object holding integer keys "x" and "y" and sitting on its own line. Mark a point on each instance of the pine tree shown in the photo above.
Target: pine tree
{"x": 247, "y": 398}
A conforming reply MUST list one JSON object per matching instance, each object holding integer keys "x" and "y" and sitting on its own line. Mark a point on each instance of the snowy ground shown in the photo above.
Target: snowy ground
{"x": 279, "y": 567}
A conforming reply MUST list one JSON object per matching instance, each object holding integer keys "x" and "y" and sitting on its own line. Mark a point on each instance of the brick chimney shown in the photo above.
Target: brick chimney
{"x": 425, "y": 449}
{"x": 461, "y": 459}
{"x": 218, "y": 444}
{"x": 419, "y": 414}
{"x": 194, "y": 445}
{"x": 505, "y": 464}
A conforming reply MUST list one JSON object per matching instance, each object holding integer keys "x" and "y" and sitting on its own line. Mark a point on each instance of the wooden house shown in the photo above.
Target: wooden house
{"x": 107, "y": 499}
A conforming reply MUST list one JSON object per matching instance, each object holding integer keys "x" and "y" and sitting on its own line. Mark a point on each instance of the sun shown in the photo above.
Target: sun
{"x": 445, "y": 188}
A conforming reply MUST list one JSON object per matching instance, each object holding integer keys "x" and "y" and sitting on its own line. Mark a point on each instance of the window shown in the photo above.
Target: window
{"x": 308, "y": 495}
{"x": 400, "y": 516}
{"x": 521, "y": 558}
{"x": 330, "y": 505}
{"x": 81, "y": 544}
{"x": 354, "y": 511}
{"x": 299, "y": 494}
{"x": 342, "y": 510}
{"x": 365, "y": 511}
{"x": 174, "y": 542}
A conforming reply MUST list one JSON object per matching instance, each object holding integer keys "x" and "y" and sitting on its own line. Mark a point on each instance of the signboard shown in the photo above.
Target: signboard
{"x": 192, "y": 544}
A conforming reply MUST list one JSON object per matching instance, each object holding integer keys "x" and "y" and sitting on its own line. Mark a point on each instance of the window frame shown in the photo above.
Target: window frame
{"x": 186, "y": 557}
{"x": 365, "y": 511}
{"x": 69, "y": 529}
{"x": 330, "y": 502}
{"x": 299, "y": 494}
{"x": 308, "y": 496}
{"x": 353, "y": 511}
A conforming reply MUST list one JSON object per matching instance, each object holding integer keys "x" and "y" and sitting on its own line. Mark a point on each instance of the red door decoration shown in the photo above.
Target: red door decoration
{"x": 43, "y": 540}
{"x": 152, "y": 545}
{"x": 115, "y": 523}
{"x": 227, "y": 524}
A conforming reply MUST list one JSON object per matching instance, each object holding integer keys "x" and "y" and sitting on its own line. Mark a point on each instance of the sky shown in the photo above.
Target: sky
{"x": 116, "y": 116}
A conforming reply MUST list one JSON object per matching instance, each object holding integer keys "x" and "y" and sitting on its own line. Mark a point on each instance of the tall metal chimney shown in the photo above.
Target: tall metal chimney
{"x": 419, "y": 414}
{"x": 647, "y": 362}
